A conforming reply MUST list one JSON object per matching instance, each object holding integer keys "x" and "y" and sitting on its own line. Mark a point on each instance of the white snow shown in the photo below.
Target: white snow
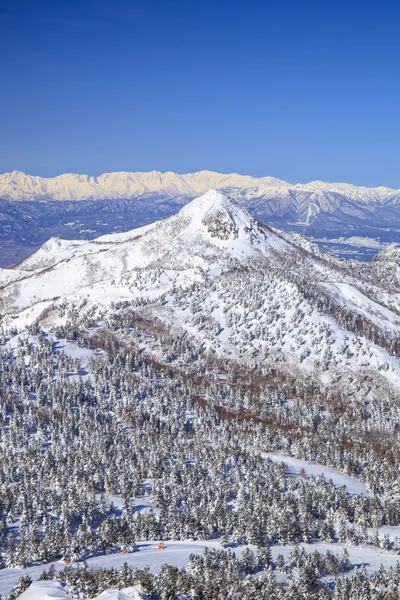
{"x": 370, "y": 556}
{"x": 133, "y": 593}
{"x": 45, "y": 590}
{"x": 356, "y": 300}
{"x": 297, "y": 465}
{"x": 49, "y": 590}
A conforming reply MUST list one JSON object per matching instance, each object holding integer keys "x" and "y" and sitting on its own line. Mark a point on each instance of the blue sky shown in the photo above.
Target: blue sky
{"x": 297, "y": 90}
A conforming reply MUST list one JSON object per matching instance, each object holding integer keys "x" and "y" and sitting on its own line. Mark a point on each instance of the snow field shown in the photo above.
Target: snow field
{"x": 176, "y": 553}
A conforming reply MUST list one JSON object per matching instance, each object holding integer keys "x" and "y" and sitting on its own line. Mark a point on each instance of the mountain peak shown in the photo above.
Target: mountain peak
{"x": 213, "y": 199}
{"x": 220, "y": 215}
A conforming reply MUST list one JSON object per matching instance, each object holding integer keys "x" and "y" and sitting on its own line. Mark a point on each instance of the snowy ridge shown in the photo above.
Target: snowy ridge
{"x": 70, "y": 186}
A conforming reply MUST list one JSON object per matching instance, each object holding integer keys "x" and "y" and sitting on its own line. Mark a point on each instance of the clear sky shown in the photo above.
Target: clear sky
{"x": 298, "y": 90}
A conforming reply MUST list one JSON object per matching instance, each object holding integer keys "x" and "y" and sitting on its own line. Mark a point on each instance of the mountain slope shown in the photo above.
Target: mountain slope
{"x": 233, "y": 286}
{"x": 209, "y": 234}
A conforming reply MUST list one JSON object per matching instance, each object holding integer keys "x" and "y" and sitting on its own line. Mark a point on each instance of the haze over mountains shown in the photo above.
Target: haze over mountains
{"x": 347, "y": 219}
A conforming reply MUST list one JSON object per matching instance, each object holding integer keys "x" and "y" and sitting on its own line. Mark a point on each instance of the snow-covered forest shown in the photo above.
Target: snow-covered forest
{"x": 155, "y": 393}
{"x": 100, "y": 458}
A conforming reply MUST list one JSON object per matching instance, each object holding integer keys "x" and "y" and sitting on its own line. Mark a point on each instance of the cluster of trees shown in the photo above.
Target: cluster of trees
{"x": 70, "y": 443}
{"x": 356, "y": 417}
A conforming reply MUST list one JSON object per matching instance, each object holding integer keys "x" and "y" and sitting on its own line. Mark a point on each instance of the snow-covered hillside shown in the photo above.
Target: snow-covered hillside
{"x": 216, "y": 273}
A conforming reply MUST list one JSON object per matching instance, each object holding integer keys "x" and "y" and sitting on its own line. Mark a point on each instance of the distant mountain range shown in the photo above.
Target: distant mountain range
{"x": 350, "y": 220}
{"x": 304, "y": 200}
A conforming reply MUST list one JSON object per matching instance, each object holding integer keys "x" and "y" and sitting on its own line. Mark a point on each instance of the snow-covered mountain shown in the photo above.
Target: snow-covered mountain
{"x": 128, "y": 185}
{"x": 210, "y": 234}
{"x": 215, "y": 273}
{"x": 349, "y": 220}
